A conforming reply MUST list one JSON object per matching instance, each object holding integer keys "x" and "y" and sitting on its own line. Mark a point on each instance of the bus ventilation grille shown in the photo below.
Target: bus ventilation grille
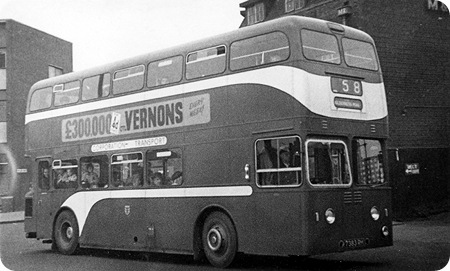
{"x": 352, "y": 197}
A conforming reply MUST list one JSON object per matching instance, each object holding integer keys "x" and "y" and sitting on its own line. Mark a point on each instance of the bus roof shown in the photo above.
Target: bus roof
{"x": 283, "y": 23}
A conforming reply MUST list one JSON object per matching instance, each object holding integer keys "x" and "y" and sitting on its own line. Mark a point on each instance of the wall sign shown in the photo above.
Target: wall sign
{"x": 412, "y": 169}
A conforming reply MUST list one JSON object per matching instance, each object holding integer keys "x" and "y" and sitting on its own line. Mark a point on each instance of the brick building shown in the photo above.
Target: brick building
{"x": 27, "y": 55}
{"x": 413, "y": 42}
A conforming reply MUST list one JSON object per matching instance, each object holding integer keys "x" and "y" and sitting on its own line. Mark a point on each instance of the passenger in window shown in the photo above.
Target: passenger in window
{"x": 163, "y": 81}
{"x": 177, "y": 178}
{"x": 89, "y": 177}
{"x": 265, "y": 158}
{"x": 135, "y": 179}
{"x": 284, "y": 159}
{"x": 45, "y": 179}
{"x": 71, "y": 177}
{"x": 61, "y": 178}
{"x": 158, "y": 179}
{"x": 286, "y": 177}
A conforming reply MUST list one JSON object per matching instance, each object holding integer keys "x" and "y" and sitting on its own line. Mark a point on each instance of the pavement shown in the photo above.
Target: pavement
{"x": 12, "y": 217}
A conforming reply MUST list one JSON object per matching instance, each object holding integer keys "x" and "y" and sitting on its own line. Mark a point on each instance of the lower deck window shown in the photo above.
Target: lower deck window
{"x": 65, "y": 173}
{"x": 94, "y": 172}
{"x": 369, "y": 162}
{"x": 328, "y": 163}
{"x": 164, "y": 167}
{"x": 127, "y": 170}
{"x": 278, "y": 161}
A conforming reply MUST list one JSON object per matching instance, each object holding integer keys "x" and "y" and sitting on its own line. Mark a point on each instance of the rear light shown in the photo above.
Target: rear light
{"x": 330, "y": 216}
{"x": 375, "y": 213}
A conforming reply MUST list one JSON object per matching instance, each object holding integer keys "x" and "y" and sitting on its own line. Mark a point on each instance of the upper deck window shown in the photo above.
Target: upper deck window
{"x": 165, "y": 71}
{"x": 328, "y": 163}
{"x": 319, "y": 46}
{"x": 67, "y": 93}
{"x": 272, "y": 47}
{"x": 129, "y": 79}
{"x": 96, "y": 87}
{"x": 369, "y": 162}
{"x": 206, "y": 62}
{"x": 359, "y": 54}
{"x": 41, "y": 99}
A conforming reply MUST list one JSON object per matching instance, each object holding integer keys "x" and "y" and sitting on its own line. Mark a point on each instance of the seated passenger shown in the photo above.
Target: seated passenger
{"x": 177, "y": 178}
{"x": 158, "y": 179}
{"x": 89, "y": 177}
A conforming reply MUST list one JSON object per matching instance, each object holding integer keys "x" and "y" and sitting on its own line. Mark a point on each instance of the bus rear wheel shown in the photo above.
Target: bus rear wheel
{"x": 66, "y": 233}
{"x": 219, "y": 240}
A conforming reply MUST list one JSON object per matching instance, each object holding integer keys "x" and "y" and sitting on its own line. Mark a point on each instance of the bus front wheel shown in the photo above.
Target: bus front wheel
{"x": 66, "y": 233}
{"x": 219, "y": 240}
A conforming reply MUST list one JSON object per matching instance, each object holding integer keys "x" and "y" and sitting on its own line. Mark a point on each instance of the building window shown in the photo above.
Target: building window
{"x": 255, "y": 14}
{"x": 2, "y": 59}
{"x": 54, "y": 71}
{"x": 291, "y": 5}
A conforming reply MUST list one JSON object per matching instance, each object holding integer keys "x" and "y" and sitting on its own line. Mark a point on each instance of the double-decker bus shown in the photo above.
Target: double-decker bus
{"x": 268, "y": 140}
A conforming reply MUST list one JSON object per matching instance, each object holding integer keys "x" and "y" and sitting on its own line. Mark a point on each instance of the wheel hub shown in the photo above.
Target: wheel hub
{"x": 214, "y": 239}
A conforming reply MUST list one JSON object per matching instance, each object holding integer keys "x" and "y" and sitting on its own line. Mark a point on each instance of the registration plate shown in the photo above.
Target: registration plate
{"x": 346, "y": 86}
{"x": 354, "y": 243}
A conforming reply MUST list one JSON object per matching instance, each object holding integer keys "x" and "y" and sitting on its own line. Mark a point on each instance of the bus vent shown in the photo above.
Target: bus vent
{"x": 324, "y": 124}
{"x": 373, "y": 128}
{"x": 352, "y": 197}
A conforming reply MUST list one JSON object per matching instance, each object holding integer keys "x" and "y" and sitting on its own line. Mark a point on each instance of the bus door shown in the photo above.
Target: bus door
{"x": 62, "y": 180}
{"x": 44, "y": 199}
{"x": 277, "y": 199}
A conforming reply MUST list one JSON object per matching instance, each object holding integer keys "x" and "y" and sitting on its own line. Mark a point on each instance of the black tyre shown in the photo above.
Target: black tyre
{"x": 219, "y": 240}
{"x": 66, "y": 233}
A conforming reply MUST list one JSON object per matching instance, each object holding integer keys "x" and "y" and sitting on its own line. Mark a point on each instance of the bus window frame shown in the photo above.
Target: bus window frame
{"x": 55, "y": 91}
{"x": 357, "y": 166}
{"x": 111, "y": 170}
{"x": 289, "y": 48}
{"x": 115, "y": 92}
{"x": 58, "y": 164}
{"x": 338, "y": 43}
{"x": 50, "y": 89}
{"x": 187, "y": 62}
{"x": 373, "y": 50}
{"x": 103, "y": 85}
{"x": 347, "y": 157}
{"x": 159, "y": 61}
{"x": 298, "y": 170}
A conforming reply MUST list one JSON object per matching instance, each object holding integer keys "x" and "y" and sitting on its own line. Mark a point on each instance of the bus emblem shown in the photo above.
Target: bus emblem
{"x": 127, "y": 209}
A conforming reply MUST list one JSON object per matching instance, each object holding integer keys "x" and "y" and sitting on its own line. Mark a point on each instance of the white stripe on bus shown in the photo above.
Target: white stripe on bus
{"x": 313, "y": 91}
{"x": 82, "y": 202}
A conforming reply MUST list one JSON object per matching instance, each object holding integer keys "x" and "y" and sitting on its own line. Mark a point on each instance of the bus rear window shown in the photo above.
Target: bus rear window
{"x": 272, "y": 47}
{"x": 359, "y": 54}
{"x": 41, "y": 99}
{"x": 206, "y": 62}
{"x": 165, "y": 71}
{"x": 67, "y": 93}
{"x": 129, "y": 79}
{"x": 369, "y": 162}
{"x": 328, "y": 163}
{"x": 321, "y": 47}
